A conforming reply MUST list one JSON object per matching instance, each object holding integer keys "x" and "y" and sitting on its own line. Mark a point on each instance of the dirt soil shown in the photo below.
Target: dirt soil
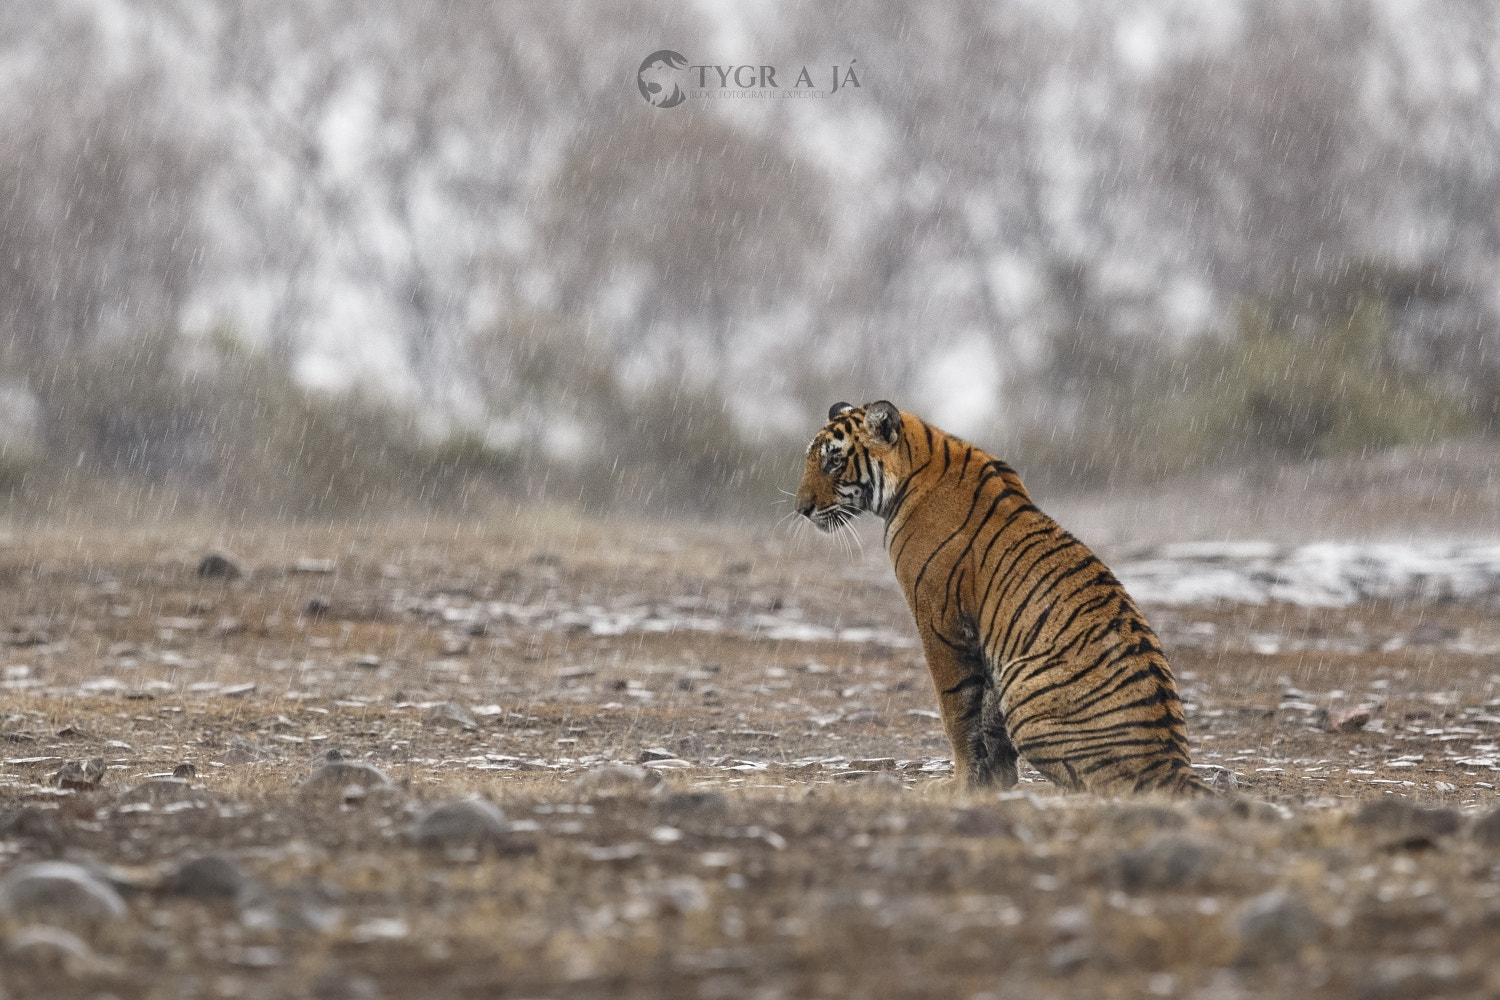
{"x": 721, "y": 775}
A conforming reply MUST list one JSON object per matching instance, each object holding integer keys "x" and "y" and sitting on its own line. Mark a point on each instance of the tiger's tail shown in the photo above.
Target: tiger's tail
{"x": 1185, "y": 782}
{"x": 1171, "y": 776}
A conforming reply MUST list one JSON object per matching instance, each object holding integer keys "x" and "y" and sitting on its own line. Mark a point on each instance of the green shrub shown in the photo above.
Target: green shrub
{"x": 216, "y": 424}
{"x": 665, "y": 447}
{"x": 1331, "y": 392}
{"x": 1141, "y": 412}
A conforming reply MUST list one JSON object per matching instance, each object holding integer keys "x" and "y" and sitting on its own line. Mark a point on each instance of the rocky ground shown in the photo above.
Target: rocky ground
{"x": 547, "y": 757}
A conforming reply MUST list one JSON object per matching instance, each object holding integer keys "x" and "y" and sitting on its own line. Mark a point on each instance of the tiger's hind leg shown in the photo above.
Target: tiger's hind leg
{"x": 1121, "y": 762}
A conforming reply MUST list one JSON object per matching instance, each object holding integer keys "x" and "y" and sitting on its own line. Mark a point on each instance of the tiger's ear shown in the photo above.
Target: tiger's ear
{"x": 883, "y": 421}
{"x": 837, "y": 408}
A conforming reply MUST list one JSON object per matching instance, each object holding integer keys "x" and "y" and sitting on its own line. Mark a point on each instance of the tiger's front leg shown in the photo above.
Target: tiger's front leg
{"x": 999, "y": 749}
{"x": 982, "y": 751}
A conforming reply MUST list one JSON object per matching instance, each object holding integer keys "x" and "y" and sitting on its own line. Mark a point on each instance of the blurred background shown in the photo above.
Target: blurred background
{"x": 324, "y": 258}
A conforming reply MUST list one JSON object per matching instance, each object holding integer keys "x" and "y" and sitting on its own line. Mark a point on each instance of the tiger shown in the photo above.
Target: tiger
{"x": 1034, "y": 647}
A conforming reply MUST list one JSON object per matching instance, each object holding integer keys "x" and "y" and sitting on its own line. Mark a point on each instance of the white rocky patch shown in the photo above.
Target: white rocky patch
{"x": 1321, "y": 574}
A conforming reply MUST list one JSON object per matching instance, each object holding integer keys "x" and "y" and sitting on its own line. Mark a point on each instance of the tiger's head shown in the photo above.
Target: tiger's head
{"x": 852, "y": 464}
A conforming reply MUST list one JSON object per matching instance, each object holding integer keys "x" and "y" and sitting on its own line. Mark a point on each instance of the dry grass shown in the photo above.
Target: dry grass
{"x": 784, "y": 877}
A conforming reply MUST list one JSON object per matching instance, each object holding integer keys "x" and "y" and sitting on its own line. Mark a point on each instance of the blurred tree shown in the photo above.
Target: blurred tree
{"x": 1263, "y": 158}
{"x": 99, "y": 227}
{"x": 696, "y": 223}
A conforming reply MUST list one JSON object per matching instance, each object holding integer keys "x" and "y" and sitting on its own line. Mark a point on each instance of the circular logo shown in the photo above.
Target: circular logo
{"x": 660, "y": 78}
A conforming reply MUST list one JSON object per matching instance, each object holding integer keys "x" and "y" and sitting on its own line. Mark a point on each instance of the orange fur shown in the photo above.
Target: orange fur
{"x": 1034, "y": 647}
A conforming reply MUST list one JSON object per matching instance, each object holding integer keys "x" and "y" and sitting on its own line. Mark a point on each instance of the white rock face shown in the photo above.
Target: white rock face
{"x": 1321, "y": 574}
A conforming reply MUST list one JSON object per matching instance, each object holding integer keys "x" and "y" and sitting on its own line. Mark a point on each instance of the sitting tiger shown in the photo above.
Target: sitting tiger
{"x": 1034, "y": 647}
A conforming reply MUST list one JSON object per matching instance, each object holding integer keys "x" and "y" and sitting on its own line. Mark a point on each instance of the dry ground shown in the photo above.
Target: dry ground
{"x": 793, "y": 834}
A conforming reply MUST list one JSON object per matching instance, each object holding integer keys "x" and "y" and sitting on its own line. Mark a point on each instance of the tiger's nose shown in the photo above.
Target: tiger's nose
{"x": 806, "y": 506}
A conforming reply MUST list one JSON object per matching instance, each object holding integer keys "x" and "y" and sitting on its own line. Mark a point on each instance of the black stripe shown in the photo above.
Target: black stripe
{"x": 1017, "y": 577}
{"x": 968, "y": 681}
{"x": 1051, "y": 585}
{"x": 917, "y": 580}
{"x": 1082, "y": 607}
{"x": 1008, "y": 557}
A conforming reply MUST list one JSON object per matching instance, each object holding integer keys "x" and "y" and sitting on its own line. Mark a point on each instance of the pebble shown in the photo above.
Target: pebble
{"x": 220, "y": 565}
{"x": 1347, "y": 720}
{"x": 338, "y": 777}
{"x": 873, "y": 764}
{"x": 1070, "y": 922}
{"x": 163, "y": 791}
{"x": 1276, "y": 925}
{"x": 1130, "y": 819}
{"x": 239, "y": 751}
{"x": 704, "y": 805}
{"x": 80, "y": 775}
{"x": 446, "y": 713}
{"x": 227, "y": 626}
{"x": 1068, "y": 958}
{"x": 981, "y": 823}
{"x": 1255, "y": 810}
{"x": 616, "y": 779}
{"x": 187, "y": 771}
{"x": 1414, "y": 977}
{"x": 868, "y": 715}
{"x": 1170, "y": 862}
{"x": 1486, "y": 829}
{"x": 211, "y": 876}
{"x": 461, "y": 823}
{"x": 337, "y": 984}
{"x": 43, "y": 948}
{"x": 59, "y": 892}
{"x": 30, "y": 821}
{"x": 869, "y": 779}
{"x": 616, "y": 853}
{"x": 1374, "y": 917}
{"x": 681, "y": 895}
{"x": 669, "y": 764}
{"x": 1406, "y": 819}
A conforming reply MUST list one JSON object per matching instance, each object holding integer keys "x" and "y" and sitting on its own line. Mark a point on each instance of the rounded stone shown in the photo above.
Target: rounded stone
{"x": 80, "y": 775}
{"x": 163, "y": 791}
{"x": 1486, "y": 829}
{"x": 1276, "y": 925}
{"x": 461, "y": 823}
{"x": 1406, "y": 819}
{"x": 335, "y": 778}
{"x": 41, "y": 947}
{"x": 59, "y": 892}
{"x": 697, "y": 804}
{"x": 1133, "y": 819}
{"x": 1170, "y": 862}
{"x": 209, "y": 877}
{"x": 221, "y": 565}
{"x": 446, "y": 713}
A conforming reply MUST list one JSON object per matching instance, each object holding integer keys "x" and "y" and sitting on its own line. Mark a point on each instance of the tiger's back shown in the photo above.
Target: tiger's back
{"x": 1034, "y": 646}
